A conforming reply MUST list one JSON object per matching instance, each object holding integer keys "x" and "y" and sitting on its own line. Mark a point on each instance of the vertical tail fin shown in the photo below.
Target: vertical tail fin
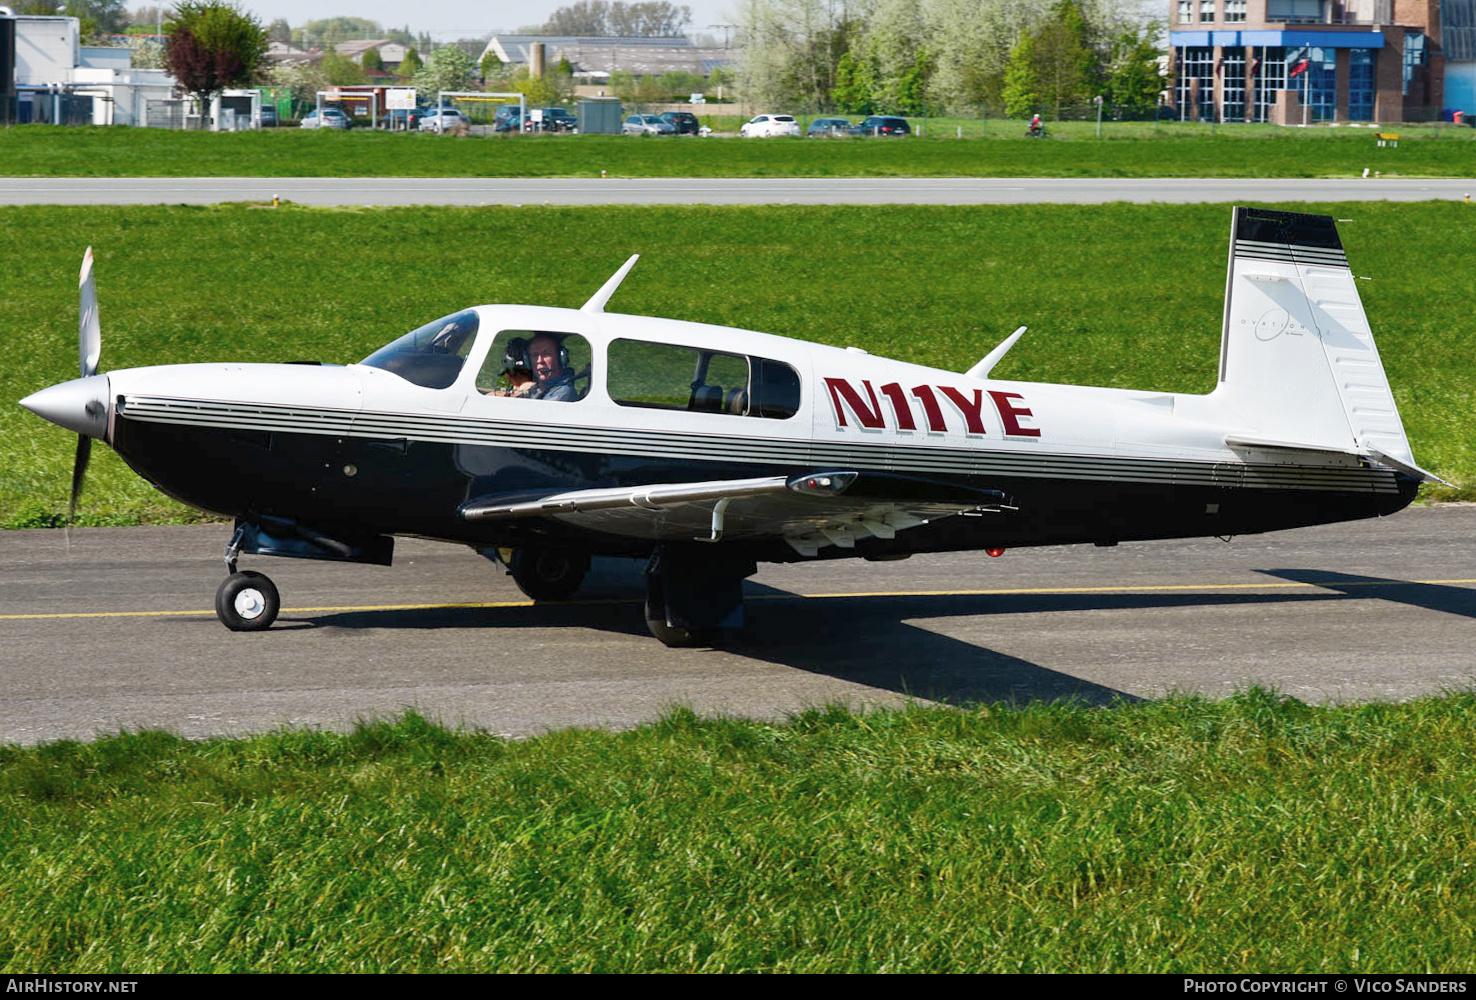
{"x": 1298, "y": 363}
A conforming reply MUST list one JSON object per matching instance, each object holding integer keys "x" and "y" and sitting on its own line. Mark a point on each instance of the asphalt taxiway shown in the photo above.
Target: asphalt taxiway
{"x": 473, "y": 191}
{"x": 115, "y": 631}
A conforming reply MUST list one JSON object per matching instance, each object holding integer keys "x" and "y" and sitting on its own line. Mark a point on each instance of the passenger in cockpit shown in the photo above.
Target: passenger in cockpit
{"x": 517, "y": 368}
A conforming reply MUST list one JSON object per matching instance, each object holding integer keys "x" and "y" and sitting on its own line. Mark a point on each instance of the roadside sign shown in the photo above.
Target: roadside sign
{"x": 400, "y": 98}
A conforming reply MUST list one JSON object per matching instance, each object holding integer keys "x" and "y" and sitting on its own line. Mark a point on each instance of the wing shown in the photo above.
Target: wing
{"x": 808, "y": 511}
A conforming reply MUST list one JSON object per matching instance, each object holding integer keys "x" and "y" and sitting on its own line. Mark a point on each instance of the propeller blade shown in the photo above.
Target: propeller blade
{"x": 89, "y": 330}
{"x": 79, "y": 473}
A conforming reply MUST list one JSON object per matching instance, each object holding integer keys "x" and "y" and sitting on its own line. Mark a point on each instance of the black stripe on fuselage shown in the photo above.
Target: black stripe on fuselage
{"x": 895, "y": 456}
{"x": 415, "y": 486}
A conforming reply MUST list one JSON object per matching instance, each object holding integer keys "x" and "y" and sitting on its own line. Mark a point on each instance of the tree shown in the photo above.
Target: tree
{"x": 341, "y": 71}
{"x": 371, "y": 59}
{"x": 411, "y": 64}
{"x": 97, "y": 17}
{"x": 617, "y": 19}
{"x": 853, "y": 85}
{"x": 212, "y": 45}
{"x": 1065, "y": 63}
{"x": 1022, "y": 88}
{"x": 330, "y": 31}
{"x": 450, "y": 68}
{"x": 1133, "y": 78}
{"x": 279, "y": 31}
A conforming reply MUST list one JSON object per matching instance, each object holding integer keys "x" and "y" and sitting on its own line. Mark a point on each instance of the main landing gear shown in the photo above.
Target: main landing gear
{"x": 548, "y": 574}
{"x": 694, "y": 595}
{"x": 246, "y": 601}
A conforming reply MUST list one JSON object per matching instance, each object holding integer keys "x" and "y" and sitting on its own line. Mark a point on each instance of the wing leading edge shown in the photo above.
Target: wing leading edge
{"x": 809, "y": 511}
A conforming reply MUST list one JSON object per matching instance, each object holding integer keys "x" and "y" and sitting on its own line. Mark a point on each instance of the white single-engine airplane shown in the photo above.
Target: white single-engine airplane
{"x": 542, "y": 436}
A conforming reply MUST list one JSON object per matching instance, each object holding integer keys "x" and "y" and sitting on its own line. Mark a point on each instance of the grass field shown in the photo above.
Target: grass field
{"x": 1251, "y": 834}
{"x": 996, "y": 150}
{"x": 1117, "y": 295}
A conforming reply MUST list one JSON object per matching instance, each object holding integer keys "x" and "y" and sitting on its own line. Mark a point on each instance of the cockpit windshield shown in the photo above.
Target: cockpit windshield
{"x": 432, "y": 355}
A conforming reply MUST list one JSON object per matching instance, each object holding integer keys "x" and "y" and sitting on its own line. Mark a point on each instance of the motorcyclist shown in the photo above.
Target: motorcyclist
{"x": 1037, "y": 127}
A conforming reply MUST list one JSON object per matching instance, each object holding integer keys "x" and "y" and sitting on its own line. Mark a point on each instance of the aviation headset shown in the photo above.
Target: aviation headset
{"x": 515, "y": 356}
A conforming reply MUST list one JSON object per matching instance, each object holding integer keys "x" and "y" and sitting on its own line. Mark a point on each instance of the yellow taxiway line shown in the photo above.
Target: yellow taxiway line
{"x": 1022, "y": 591}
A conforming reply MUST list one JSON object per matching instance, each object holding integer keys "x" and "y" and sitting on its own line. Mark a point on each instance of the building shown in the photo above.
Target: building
{"x": 594, "y": 59}
{"x": 56, "y": 79}
{"x": 1302, "y": 61}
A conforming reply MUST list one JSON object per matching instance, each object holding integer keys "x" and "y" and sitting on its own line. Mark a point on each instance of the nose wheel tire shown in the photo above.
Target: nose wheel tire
{"x": 247, "y": 602}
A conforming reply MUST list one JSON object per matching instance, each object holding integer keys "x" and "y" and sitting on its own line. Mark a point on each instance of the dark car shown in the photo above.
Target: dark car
{"x": 684, "y": 122}
{"x": 505, "y": 118}
{"x": 823, "y": 127}
{"x": 403, "y": 119}
{"x": 268, "y": 115}
{"x": 558, "y": 120}
{"x": 882, "y": 125}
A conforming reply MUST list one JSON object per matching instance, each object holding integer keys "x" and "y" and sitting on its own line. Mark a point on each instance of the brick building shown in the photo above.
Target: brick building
{"x": 1295, "y": 61}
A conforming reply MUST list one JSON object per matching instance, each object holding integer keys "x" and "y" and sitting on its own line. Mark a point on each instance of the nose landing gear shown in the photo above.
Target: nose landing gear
{"x": 246, "y": 601}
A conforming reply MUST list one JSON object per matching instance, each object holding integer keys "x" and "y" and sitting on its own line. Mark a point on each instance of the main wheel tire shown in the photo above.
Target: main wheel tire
{"x": 674, "y": 636}
{"x": 549, "y": 574}
{"x": 247, "y": 602}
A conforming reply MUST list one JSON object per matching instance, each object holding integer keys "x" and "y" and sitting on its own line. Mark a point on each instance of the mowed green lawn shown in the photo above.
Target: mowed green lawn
{"x": 1116, "y": 295}
{"x": 993, "y": 149}
{"x": 1246, "y": 835}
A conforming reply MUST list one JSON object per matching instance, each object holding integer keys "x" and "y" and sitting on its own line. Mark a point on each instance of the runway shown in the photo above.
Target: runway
{"x": 474, "y": 191}
{"x": 117, "y": 632}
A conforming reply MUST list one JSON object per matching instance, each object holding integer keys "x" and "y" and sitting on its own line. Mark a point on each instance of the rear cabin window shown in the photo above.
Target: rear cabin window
{"x": 667, "y": 377}
{"x": 537, "y": 364}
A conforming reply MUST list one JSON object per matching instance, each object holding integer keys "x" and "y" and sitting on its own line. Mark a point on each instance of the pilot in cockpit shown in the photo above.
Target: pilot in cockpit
{"x": 554, "y": 378}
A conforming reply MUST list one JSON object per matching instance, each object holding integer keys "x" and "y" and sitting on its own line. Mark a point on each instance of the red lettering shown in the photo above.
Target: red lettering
{"x": 924, "y": 393}
{"x": 969, "y": 409}
{"x": 1009, "y": 413}
{"x": 894, "y": 392}
{"x": 841, "y": 389}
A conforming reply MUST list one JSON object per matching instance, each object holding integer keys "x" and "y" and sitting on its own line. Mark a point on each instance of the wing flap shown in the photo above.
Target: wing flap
{"x": 809, "y": 511}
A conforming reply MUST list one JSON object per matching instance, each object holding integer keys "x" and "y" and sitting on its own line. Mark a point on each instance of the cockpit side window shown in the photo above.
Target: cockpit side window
{"x": 431, "y": 355}
{"x": 668, "y": 377}
{"x": 537, "y": 364}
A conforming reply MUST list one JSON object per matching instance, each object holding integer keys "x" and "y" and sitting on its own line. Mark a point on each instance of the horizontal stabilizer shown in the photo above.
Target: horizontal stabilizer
{"x": 1369, "y": 452}
{"x": 1408, "y": 468}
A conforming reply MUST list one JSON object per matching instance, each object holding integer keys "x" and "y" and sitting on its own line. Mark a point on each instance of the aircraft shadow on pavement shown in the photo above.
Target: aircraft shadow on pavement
{"x": 1431, "y": 596}
{"x": 870, "y": 640}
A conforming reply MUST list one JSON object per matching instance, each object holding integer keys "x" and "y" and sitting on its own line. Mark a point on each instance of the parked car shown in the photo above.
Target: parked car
{"x": 505, "y": 118}
{"x": 401, "y": 119}
{"x": 268, "y": 117}
{"x": 768, "y": 126}
{"x": 330, "y": 118}
{"x": 443, "y": 120}
{"x": 882, "y": 125}
{"x": 647, "y": 125}
{"x": 684, "y": 122}
{"x": 559, "y": 120}
{"x": 822, "y": 127}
